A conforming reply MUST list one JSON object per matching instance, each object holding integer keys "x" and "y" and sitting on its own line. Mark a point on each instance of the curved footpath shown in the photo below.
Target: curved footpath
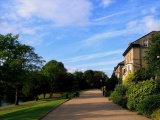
{"x": 91, "y": 105}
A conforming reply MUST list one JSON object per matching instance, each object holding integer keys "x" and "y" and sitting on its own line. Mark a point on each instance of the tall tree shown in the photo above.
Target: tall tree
{"x": 36, "y": 84}
{"x": 111, "y": 82}
{"x": 88, "y": 76}
{"x": 17, "y": 60}
{"x": 56, "y": 72}
{"x": 153, "y": 54}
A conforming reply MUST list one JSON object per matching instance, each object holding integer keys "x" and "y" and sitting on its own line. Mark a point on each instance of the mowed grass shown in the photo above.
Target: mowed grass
{"x": 31, "y": 110}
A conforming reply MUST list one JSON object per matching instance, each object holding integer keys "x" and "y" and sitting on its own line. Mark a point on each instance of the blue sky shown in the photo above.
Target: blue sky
{"x": 82, "y": 34}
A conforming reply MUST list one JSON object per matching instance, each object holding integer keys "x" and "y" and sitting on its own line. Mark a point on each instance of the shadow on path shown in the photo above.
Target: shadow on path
{"x": 91, "y": 105}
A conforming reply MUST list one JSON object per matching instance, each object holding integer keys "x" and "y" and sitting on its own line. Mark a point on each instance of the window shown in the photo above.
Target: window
{"x": 145, "y": 43}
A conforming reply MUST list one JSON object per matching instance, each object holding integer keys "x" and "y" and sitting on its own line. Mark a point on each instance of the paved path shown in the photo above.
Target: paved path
{"x": 91, "y": 105}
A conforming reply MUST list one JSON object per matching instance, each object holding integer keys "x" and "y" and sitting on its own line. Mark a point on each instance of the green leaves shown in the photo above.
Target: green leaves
{"x": 152, "y": 53}
{"x": 140, "y": 91}
{"x": 18, "y": 59}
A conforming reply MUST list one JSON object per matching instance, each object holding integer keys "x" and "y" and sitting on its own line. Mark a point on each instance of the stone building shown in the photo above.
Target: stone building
{"x": 135, "y": 53}
{"x": 118, "y": 70}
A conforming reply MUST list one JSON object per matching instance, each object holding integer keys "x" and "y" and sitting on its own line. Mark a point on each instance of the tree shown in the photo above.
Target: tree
{"x": 111, "y": 83}
{"x": 88, "y": 76}
{"x": 18, "y": 59}
{"x": 153, "y": 53}
{"x": 69, "y": 82}
{"x": 142, "y": 74}
{"x": 79, "y": 82}
{"x": 35, "y": 85}
{"x": 56, "y": 72}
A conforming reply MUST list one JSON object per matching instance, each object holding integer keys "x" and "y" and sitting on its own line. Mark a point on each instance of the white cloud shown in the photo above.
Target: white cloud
{"x": 153, "y": 10}
{"x": 150, "y": 23}
{"x": 132, "y": 24}
{"x": 106, "y": 3}
{"x": 73, "y": 69}
{"x": 149, "y": 11}
{"x": 92, "y": 56}
{"x": 144, "y": 12}
{"x": 97, "y": 38}
{"x": 145, "y": 24}
{"x": 61, "y": 12}
{"x": 109, "y": 62}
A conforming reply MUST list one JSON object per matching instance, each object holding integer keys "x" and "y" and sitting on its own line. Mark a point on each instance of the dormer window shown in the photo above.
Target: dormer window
{"x": 145, "y": 43}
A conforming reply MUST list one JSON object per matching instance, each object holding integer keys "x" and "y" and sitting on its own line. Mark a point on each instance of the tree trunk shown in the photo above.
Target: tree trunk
{"x": 16, "y": 97}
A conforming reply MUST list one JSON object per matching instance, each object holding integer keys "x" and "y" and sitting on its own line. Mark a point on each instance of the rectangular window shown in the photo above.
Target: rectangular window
{"x": 145, "y": 43}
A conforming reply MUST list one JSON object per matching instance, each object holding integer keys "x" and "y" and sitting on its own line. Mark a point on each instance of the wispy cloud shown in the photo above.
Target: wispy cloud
{"x": 72, "y": 69}
{"x": 145, "y": 24}
{"x": 106, "y": 3}
{"x": 98, "y": 64}
{"x": 92, "y": 56}
{"x": 22, "y": 16}
{"x": 98, "y": 38}
{"x": 125, "y": 11}
{"x": 73, "y": 12}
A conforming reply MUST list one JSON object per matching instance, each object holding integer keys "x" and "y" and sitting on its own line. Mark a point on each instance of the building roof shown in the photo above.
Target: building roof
{"x": 121, "y": 63}
{"x": 129, "y": 47}
{"x": 135, "y": 44}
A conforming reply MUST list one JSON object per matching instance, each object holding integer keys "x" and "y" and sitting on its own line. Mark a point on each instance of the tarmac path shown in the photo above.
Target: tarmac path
{"x": 91, "y": 105}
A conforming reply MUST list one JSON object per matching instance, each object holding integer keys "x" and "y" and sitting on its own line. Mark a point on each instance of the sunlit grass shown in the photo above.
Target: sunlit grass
{"x": 34, "y": 112}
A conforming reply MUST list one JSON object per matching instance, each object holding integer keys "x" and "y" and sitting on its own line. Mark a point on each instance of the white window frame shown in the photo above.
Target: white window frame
{"x": 145, "y": 43}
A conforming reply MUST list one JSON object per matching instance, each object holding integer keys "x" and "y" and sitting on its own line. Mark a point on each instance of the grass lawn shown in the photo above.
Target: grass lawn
{"x": 31, "y": 110}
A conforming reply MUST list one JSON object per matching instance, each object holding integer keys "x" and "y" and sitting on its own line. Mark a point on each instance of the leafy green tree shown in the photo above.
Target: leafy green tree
{"x": 153, "y": 53}
{"x": 69, "y": 82}
{"x": 79, "y": 81}
{"x": 56, "y": 73}
{"x": 36, "y": 84}
{"x": 18, "y": 59}
{"x": 111, "y": 83}
{"x": 142, "y": 74}
{"x": 88, "y": 76}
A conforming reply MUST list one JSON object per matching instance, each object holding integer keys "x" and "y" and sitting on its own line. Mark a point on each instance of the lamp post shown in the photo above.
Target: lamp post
{"x": 158, "y": 66}
{"x": 102, "y": 85}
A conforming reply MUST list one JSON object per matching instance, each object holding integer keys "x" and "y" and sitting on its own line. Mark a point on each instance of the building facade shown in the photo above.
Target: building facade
{"x": 118, "y": 70}
{"x": 135, "y": 53}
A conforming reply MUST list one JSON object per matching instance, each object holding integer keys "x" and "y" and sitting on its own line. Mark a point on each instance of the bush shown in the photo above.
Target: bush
{"x": 117, "y": 96}
{"x": 156, "y": 115}
{"x": 107, "y": 94}
{"x": 129, "y": 79}
{"x": 140, "y": 91}
{"x": 149, "y": 104}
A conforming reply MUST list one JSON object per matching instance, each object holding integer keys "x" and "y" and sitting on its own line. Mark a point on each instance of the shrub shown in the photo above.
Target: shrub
{"x": 140, "y": 91}
{"x": 156, "y": 115}
{"x": 107, "y": 94}
{"x": 117, "y": 96}
{"x": 129, "y": 79}
{"x": 149, "y": 104}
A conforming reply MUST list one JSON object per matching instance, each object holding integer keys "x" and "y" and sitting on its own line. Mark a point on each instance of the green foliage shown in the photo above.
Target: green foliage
{"x": 129, "y": 79}
{"x": 56, "y": 73}
{"x": 140, "y": 91}
{"x": 36, "y": 84}
{"x": 149, "y": 104}
{"x": 18, "y": 59}
{"x": 111, "y": 82}
{"x": 152, "y": 53}
{"x": 156, "y": 115}
{"x": 95, "y": 79}
{"x": 142, "y": 74}
{"x": 118, "y": 95}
